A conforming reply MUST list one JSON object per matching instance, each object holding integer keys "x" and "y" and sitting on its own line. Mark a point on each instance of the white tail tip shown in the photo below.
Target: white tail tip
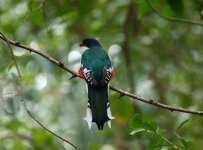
{"x": 109, "y": 114}
{"x": 109, "y": 123}
{"x": 88, "y": 118}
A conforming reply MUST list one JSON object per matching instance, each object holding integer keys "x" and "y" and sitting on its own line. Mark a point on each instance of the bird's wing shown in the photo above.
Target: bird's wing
{"x": 89, "y": 76}
{"x": 86, "y": 70}
{"x": 108, "y": 74}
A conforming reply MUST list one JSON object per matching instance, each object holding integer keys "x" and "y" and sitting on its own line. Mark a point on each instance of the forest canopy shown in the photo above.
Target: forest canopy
{"x": 157, "y": 53}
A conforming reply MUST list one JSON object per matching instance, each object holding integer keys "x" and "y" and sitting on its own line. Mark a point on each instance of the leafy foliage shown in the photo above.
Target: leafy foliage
{"x": 152, "y": 57}
{"x": 142, "y": 123}
{"x": 176, "y": 6}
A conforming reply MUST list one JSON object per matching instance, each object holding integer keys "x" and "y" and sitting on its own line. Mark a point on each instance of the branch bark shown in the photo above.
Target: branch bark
{"x": 121, "y": 92}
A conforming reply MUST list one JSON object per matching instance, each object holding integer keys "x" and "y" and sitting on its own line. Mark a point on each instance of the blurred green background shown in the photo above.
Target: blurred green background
{"x": 152, "y": 57}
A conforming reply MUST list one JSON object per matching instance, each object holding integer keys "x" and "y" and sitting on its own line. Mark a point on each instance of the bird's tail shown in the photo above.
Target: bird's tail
{"x": 98, "y": 110}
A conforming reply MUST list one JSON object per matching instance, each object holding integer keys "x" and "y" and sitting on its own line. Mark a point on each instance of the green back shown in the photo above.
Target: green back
{"x": 95, "y": 59}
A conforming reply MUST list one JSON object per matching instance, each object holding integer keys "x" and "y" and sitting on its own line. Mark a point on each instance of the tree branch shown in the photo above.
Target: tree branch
{"x": 121, "y": 92}
{"x": 21, "y": 89}
{"x": 155, "y": 103}
{"x": 181, "y": 20}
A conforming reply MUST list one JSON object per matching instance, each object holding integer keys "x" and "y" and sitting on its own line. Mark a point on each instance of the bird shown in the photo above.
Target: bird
{"x": 97, "y": 70}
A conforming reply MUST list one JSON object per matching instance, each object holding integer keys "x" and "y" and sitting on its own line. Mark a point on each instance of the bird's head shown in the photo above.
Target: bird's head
{"x": 90, "y": 42}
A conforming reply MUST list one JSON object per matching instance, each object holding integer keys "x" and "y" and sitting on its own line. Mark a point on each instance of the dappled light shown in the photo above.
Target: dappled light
{"x": 156, "y": 94}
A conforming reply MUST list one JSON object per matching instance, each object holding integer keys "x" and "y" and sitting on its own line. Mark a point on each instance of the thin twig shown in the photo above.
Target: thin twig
{"x": 169, "y": 142}
{"x": 41, "y": 6}
{"x": 22, "y": 95}
{"x": 58, "y": 63}
{"x": 180, "y": 20}
{"x": 121, "y": 92}
{"x": 155, "y": 103}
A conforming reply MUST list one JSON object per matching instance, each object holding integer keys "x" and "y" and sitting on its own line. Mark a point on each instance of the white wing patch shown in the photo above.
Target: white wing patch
{"x": 88, "y": 75}
{"x": 107, "y": 74}
{"x": 86, "y": 70}
{"x": 110, "y": 69}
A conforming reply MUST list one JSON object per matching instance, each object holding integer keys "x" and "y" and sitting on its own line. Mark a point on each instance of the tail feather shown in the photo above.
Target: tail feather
{"x": 88, "y": 117}
{"x": 98, "y": 106}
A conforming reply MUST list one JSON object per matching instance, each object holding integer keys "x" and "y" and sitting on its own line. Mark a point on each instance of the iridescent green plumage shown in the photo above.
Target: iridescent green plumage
{"x": 95, "y": 59}
{"x": 96, "y": 68}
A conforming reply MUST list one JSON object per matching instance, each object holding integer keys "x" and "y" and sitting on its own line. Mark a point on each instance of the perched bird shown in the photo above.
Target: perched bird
{"x": 96, "y": 69}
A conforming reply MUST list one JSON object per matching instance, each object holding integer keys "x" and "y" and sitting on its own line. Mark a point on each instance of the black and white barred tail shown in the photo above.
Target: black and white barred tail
{"x": 98, "y": 109}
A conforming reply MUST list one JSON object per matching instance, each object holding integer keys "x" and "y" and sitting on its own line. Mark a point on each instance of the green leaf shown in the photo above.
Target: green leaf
{"x": 143, "y": 8}
{"x": 117, "y": 108}
{"x": 94, "y": 147}
{"x": 177, "y": 6}
{"x": 43, "y": 140}
{"x": 14, "y": 77}
{"x": 137, "y": 131}
{"x": 85, "y": 7}
{"x": 10, "y": 106}
{"x": 14, "y": 125}
{"x": 181, "y": 124}
{"x": 10, "y": 65}
{"x": 33, "y": 5}
{"x": 37, "y": 18}
{"x": 140, "y": 122}
{"x": 185, "y": 142}
{"x": 155, "y": 143}
{"x": 19, "y": 146}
